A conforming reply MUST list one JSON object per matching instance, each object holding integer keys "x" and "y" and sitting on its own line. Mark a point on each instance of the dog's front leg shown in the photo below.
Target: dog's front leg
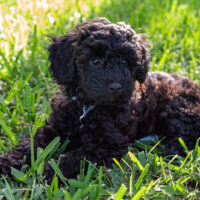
{"x": 70, "y": 165}
{"x": 100, "y": 144}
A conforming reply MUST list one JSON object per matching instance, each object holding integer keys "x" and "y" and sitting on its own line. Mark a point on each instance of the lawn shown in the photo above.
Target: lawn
{"x": 173, "y": 28}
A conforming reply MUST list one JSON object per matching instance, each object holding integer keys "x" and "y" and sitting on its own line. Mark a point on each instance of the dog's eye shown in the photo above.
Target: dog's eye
{"x": 123, "y": 61}
{"x": 96, "y": 61}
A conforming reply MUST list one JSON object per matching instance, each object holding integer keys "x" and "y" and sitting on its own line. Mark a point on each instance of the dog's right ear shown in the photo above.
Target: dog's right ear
{"x": 61, "y": 57}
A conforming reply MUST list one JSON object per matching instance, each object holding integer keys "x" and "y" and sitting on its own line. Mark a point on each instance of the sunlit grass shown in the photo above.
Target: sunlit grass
{"x": 17, "y": 19}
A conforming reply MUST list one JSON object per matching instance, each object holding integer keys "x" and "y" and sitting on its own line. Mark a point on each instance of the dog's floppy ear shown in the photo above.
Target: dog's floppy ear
{"x": 61, "y": 56}
{"x": 144, "y": 59}
{"x": 143, "y": 67}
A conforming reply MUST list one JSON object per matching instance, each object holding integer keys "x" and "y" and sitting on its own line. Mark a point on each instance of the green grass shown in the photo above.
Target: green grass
{"x": 26, "y": 87}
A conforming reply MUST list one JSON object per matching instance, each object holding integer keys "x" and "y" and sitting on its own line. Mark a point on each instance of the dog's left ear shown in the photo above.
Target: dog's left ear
{"x": 61, "y": 56}
{"x": 144, "y": 58}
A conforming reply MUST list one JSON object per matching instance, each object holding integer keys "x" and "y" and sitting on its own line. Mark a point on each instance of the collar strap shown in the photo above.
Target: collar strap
{"x": 87, "y": 110}
{"x": 74, "y": 98}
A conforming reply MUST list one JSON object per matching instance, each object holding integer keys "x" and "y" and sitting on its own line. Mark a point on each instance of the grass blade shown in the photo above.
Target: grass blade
{"x": 118, "y": 164}
{"x": 183, "y": 144}
{"x": 43, "y": 155}
{"x": 54, "y": 165}
{"x": 142, "y": 176}
{"x": 10, "y": 134}
{"x": 135, "y": 160}
{"x": 139, "y": 194}
{"x": 121, "y": 192}
{"x": 9, "y": 193}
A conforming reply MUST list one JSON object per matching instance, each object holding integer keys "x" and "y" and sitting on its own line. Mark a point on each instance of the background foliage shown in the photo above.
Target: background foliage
{"x": 26, "y": 87}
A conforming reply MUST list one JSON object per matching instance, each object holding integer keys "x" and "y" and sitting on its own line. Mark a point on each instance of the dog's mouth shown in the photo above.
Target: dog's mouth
{"x": 114, "y": 99}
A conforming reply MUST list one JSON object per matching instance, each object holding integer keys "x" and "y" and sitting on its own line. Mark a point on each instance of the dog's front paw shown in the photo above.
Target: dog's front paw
{"x": 49, "y": 173}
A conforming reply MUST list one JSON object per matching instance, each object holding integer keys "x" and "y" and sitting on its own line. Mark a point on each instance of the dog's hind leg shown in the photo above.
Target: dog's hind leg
{"x": 179, "y": 123}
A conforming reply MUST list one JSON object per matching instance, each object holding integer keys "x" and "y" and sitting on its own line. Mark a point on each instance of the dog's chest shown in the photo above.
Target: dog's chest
{"x": 98, "y": 124}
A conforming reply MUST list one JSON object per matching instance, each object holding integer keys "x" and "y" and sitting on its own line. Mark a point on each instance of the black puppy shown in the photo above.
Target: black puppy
{"x": 108, "y": 100}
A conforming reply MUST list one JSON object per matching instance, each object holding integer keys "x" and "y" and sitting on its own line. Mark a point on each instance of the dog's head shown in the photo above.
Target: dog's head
{"x": 100, "y": 58}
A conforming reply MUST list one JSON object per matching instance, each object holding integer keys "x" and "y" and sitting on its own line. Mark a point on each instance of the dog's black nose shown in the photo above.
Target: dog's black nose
{"x": 115, "y": 87}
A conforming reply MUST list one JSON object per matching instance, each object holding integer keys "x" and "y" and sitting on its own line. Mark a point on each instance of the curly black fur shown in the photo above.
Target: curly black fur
{"x": 103, "y": 67}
